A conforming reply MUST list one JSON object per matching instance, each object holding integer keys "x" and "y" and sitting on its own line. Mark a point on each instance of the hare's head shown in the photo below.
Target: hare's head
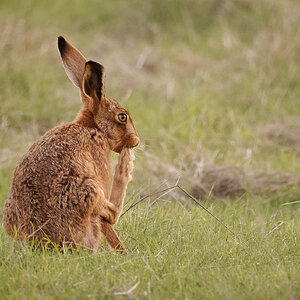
{"x": 106, "y": 114}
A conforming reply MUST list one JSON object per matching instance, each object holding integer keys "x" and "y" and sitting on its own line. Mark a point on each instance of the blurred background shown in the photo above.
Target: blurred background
{"x": 213, "y": 87}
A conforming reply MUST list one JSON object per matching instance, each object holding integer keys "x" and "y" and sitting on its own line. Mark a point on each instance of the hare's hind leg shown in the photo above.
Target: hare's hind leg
{"x": 112, "y": 238}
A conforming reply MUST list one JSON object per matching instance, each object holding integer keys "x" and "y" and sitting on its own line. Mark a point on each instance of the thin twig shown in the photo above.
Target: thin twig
{"x": 156, "y": 190}
{"x": 159, "y": 197}
{"x": 164, "y": 194}
{"x": 146, "y": 197}
{"x": 190, "y": 196}
{"x": 202, "y": 206}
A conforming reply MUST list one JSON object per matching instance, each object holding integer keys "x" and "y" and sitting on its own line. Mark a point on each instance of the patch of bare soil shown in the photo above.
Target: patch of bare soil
{"x": 285, "y": 132}
{"x": 222, "y": 182}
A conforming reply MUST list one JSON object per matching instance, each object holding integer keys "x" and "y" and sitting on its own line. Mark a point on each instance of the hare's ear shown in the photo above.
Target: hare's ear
{"x": 73, "y": 61}
{"x": 93, "y": 80}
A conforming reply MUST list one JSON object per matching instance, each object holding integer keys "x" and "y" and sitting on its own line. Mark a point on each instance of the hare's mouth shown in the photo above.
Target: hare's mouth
{"x": 132, "y": 141}
{"x": 118, "y": 149}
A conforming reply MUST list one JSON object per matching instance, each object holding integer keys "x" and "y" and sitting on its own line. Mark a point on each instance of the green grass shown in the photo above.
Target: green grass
{"x": 174, "y": 253}
{"x": 211, "y": 85}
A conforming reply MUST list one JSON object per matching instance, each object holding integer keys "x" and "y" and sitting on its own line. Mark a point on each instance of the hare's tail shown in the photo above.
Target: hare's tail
{"x": 112, "y": 238}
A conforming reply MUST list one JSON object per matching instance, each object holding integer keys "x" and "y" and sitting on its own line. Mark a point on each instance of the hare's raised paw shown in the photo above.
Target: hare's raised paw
{"x": 124, "y": 167}
{"x": 126, "y": 155}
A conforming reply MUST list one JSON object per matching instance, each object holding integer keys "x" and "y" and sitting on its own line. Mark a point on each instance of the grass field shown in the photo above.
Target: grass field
{"x": 214, "y": 89}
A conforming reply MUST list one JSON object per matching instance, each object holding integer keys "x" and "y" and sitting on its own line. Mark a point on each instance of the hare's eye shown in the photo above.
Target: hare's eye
{"x": 122, "y": 118}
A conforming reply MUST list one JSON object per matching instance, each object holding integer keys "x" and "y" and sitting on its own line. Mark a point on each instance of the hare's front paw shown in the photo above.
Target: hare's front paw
{"x": 126, "y": 155}
{"x": 125, "y": 164}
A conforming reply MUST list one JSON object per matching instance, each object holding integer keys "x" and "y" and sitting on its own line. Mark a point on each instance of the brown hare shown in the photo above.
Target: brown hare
{"x": 61, "y": 189}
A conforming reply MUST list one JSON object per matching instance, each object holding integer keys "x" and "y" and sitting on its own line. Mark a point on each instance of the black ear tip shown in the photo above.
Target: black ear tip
{"x": 96, "y": 66}
{"x": 90, "y": 63}
{"x": 61, "y": 45}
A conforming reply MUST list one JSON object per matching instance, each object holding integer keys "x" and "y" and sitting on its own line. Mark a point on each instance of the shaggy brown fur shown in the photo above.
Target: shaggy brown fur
{"x": 60, "y": 190}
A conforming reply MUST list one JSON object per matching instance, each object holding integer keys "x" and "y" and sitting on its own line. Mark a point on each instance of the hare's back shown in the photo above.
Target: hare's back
{"x": 48, "y": 170}
{"x": 43, "y": 181}
{"x": 54, "y": 153}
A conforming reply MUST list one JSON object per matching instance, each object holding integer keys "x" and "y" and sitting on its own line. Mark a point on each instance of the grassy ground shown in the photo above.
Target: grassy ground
{"x": 214, "y": 89}
{"x": 175, "y": 253}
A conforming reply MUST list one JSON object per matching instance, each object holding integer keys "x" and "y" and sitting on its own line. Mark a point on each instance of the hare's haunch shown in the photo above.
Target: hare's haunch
{"x": 60, "y": 189}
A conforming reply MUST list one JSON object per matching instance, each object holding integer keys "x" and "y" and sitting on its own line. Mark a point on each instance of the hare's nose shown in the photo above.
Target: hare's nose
{"x": 134, "y": 140}
{"x": 137, "y": 141}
